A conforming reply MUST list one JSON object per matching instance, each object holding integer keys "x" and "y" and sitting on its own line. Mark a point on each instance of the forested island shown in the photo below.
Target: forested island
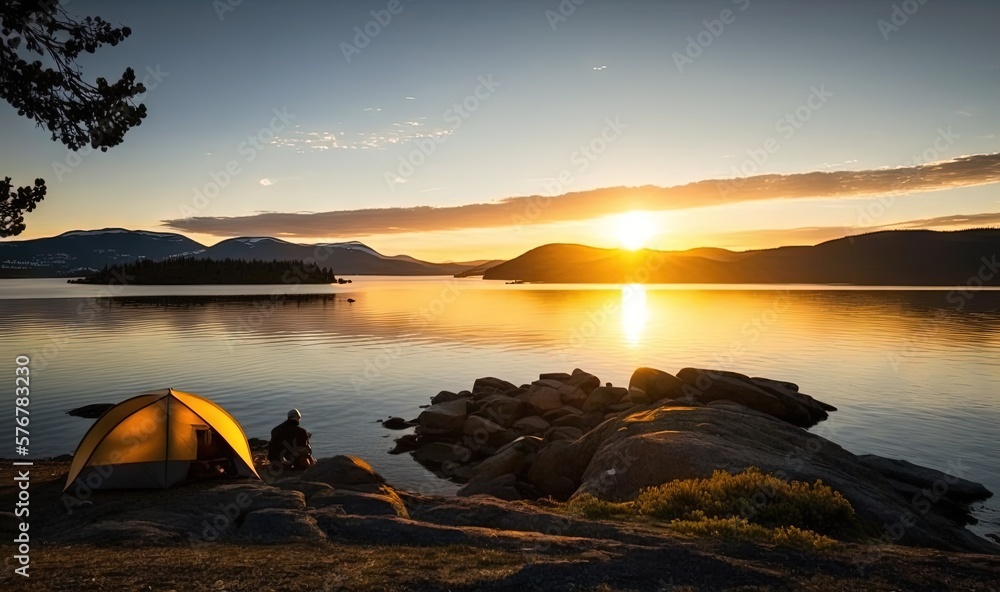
{"x": 192, "y": 271}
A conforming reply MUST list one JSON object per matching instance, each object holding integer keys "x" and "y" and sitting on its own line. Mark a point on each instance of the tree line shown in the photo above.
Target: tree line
{"x": 189, "y": 270}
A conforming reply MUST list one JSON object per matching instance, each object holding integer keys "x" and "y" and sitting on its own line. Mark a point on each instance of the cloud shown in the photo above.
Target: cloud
{"x": 396, "y": 134}
{"x": 266, "y": 182}
{"x": 817, "y": 234}
{"x": 965, "y": 171}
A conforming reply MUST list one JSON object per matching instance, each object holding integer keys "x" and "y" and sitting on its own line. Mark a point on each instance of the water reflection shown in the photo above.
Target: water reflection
{"x": 914, "y": 377}
{"x": 634, "y": 313}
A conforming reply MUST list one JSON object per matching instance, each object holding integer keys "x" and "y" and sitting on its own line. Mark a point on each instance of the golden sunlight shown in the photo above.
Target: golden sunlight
{"x": 634, "y": 312}
{"x": 634, "y": 229}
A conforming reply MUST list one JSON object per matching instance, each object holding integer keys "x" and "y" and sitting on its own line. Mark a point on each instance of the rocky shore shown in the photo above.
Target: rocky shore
{"x": 529, "y": 457}
{"x": 340, "y": 526}
{"x": 565, "y": 435}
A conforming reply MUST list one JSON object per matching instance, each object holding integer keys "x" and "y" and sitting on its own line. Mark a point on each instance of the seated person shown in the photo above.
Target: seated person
{"x": 289, "y": 446}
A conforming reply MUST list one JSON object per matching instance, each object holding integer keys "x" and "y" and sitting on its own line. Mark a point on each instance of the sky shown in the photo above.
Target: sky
{"x": 461, "y": 130}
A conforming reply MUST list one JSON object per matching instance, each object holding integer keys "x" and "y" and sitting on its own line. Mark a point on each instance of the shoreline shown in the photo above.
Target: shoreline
{"x": 302, "y": 533}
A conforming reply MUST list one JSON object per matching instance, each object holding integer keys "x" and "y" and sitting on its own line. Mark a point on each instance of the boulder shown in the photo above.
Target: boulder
{"x": 542, "y": 398}
{"x": 712, "y": 385}
{"x": 343, "y": 472}
{"x": 491, "y": 386}
{"x": 530, "y": 426}
{"x": 436, "y": 454}
{"x": 572, "y": 396}
{"x": 551, "y": 416}
{"x": 503, "y": 487}
{"x": 501, "y": 409}
{"x": 767, "y": 382}
{"x": 307, "y": 488}
{"x": 448, "y": 397}
{"x": 549, "y": 382}
{"x": 406, "y": 443}
{"x": 619, "y": 407}
{"x": 603, "y": 396}
{"x": 638, "y": 396}
{"x": 397, "y": 423}
{"x": 527, "y": 443}
{"x": 650, "y": 447}
{"x": 657, "y": 384}
{"x": 483, "y": 433}
{"x": 569, "y": 421}
{"x": 779, "y": 399}
{"x": 443, "y": 418}
{"x": 383, "y": 503}
{"x": 585, "y": 381}
{"x": 511, "y": 459}
{"x": 559, "y": 376}
{"x": 276, "y": 526}
{"x": 944, "y": 484}
{"x": 557, "y": 433}
{"x": 591, "y": 420}
{"x": 92, "y": 411}
{"x": 560, "y": 464}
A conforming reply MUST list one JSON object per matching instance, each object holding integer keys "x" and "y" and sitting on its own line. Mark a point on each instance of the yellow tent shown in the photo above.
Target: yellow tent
{"x": 157, "y": 440}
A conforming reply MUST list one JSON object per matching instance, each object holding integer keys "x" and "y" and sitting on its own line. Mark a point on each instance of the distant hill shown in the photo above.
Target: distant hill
{"x": 82, "y": 252}
{"x": 479, "y": 269}
{"x": 350, "y": 258}
{"x": 79, "y": 252}
{"x": 901, "y": 257}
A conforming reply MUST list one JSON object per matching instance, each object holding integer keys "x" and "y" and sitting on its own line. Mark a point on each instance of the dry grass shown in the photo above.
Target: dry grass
{"x": 283, "y": 568}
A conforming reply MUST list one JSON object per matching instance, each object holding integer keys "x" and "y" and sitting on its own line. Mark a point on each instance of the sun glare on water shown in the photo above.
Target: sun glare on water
{"x": 634, "y": 229}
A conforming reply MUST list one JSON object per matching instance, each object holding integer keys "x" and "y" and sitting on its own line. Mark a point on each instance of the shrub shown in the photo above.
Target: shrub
{"x": 591, "y": 507}
{"x": 739, "y": 529}
{"x": 748, "y": 506}
{"x": 754, "y": 496}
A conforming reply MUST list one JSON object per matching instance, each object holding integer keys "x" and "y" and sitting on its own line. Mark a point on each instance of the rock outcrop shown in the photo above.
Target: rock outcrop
{"x": 565, "y": 435}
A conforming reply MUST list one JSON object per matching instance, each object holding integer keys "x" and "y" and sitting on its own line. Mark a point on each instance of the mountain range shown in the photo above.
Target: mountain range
{"x": 82, "y": 251}
{"x": 895, "y": 257}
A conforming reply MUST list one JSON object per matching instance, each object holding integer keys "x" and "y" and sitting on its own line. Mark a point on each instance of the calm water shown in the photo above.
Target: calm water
{"x": 914, "y": 378}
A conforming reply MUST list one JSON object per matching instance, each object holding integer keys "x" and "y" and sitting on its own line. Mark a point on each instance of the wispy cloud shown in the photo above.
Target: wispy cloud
{"x": 965, "y": 171}
{"x": 817, "y": 234}
{"x": 397, "y": 133}
{"x": 266, "y": 182}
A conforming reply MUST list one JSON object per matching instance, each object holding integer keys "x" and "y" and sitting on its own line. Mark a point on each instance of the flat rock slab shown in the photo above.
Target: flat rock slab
{"x": 276, "y": 526}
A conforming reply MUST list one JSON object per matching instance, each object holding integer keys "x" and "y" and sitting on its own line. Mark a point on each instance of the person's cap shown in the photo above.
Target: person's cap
{"x": 294, "y": 414}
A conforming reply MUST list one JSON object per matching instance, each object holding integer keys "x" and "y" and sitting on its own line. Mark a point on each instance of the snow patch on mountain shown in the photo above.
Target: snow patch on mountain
{"x": 160, "y": 235}
{"x": 353, "y": 246}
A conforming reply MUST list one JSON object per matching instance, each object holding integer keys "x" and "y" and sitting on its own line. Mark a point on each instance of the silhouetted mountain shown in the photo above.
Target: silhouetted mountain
{"x": 479, "y": 268}
{"x": 905, "y": 258}
{"x": 81, "y": 252}
{"x": 350, "y": 258}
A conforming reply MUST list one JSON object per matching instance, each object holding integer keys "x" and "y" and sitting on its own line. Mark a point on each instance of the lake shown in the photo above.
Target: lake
{"x": 914, "y": 372}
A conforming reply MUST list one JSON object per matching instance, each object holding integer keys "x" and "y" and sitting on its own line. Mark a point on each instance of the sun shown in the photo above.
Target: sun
{"x": 634, "y": 229}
